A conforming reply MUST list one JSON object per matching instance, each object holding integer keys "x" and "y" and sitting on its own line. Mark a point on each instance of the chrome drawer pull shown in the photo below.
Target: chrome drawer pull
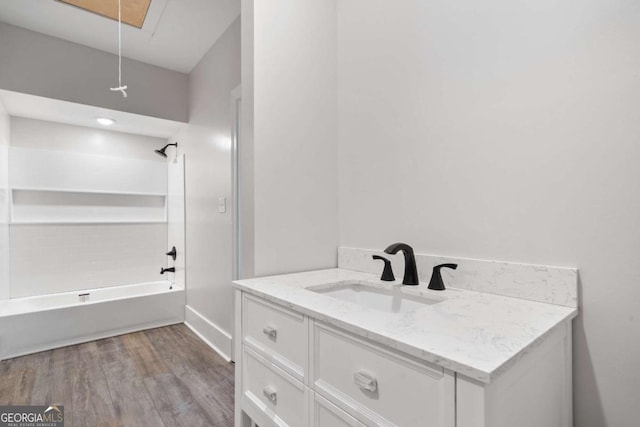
{"x": 365, "y": 381}
{"x": 270, "y": 332}
{"x": 270, "y": 393}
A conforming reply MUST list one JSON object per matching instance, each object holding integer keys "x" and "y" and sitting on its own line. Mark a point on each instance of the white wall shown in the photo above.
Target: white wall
{"x": 206, "y": 142}
{"x": 53, "y": 68}
{"x": 504, "y": 130}
{"x": 4, "y": 202}
{"x": 49, "y": 258}
{"x": 294, "y": 135}
{"x": 54, "y": 258}
{"x": 43, "y": 135}
{"x": 176, "y": 218}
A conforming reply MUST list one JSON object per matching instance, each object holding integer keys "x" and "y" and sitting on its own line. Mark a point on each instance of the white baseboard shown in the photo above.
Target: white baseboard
{"x": 219, "y": 340}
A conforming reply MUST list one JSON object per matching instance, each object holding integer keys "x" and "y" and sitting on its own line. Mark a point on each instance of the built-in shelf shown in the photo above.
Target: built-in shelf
{"x": 49, "y": 187}
{"x": 88, "y": 191}
{"x": 45, "y": 206}
{"x": 83, "y": 222}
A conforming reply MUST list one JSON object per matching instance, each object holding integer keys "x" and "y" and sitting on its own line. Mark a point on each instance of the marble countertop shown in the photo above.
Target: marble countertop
{"x": 475, "y": 334}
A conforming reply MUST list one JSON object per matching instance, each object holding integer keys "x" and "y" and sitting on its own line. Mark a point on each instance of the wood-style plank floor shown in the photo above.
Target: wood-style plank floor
{"x": 159, "y": 377}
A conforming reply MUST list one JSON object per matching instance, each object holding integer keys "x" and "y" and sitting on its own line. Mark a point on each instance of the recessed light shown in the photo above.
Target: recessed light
{"x": 105, "y": 121}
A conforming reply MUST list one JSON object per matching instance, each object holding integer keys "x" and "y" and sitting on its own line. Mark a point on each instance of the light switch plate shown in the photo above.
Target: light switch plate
{"x": 222, "y": 204}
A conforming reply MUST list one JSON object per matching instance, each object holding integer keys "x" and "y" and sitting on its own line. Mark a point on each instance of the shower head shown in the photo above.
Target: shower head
{"x": 162, "y": 151}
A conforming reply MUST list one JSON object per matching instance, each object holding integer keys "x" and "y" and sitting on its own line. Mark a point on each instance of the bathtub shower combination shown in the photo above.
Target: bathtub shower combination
{"x": 111, "y": 221}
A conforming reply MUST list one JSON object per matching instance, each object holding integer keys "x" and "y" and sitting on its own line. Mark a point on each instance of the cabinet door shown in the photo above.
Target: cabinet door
{"x": 379, "y": 386}
{"x": 269, "y": 395}
{"x": 326, "y": 414}
{"x": 278, "y": 333}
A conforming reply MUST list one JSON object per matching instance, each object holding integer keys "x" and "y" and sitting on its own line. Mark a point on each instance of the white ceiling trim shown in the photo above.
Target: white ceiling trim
{"x": 53, "y": 110}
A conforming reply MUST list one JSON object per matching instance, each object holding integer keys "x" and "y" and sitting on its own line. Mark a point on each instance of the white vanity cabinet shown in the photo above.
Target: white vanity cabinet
{"x": 376, "y": 385}
{"x": 295, "y": 370}
{"x": 326, "y": 414}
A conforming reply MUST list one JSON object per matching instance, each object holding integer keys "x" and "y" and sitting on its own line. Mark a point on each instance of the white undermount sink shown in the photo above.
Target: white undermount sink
{"x": 389, "y": 300}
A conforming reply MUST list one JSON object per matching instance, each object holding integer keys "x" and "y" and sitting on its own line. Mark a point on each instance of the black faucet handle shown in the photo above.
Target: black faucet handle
{"x": 172, "y": 253}
{"x": 451, "y": 266}
{"x": 387, "y": 272}
{"x": 436, "y": 283}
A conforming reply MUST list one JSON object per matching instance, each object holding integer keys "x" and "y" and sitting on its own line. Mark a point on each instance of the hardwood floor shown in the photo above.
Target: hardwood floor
{"x": 160, "y": 377}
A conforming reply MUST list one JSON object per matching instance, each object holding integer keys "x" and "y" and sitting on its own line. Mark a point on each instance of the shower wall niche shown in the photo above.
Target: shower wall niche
{"x": 63, "y": 187}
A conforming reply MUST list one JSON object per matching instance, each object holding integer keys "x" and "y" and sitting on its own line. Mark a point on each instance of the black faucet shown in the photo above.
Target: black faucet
{"x": 436, "y": 283}
{"x": 168, "y": 270}
{"x": 387, "y": 272}
{"x": 410, "y": 272}
{"x": 172, "y": 253}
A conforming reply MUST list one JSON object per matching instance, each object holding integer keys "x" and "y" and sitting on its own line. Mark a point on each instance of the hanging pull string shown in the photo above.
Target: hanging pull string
{"x": 120, "y": 88}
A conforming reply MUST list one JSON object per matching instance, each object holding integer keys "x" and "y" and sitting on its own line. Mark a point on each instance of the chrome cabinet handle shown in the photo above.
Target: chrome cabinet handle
{"x": 270, "y": 393}
{"x": 365, "y": 381}
{"x": 270, "y": 332}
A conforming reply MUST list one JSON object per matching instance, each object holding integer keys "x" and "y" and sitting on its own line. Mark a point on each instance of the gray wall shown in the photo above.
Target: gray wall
{"x": 294, "y": 135}
{"x": 206, "y": 141}
{"x": 245, "y": 147}
{"x": 505, "y": 130}
{"x": 53, "y": 68}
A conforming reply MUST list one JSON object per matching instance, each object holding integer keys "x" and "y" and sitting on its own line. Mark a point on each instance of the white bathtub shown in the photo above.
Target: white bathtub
{"x": 29, "y": 325}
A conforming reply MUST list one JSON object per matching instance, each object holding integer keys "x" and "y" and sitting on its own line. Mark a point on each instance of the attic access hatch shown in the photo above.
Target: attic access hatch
{"x": 133, "y": 11}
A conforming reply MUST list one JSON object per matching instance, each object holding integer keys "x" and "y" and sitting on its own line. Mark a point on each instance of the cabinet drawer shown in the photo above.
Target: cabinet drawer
{"x": 378, "y": 386}
{"x": 278, "y": 332}
{"x": 326, "y": 414}
{"x": 280, "y": 398}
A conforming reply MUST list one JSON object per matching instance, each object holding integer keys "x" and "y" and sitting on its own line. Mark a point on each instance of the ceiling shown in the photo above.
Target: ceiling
{"x": 176, "y": 33}
{"x": 53, "y": 110}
